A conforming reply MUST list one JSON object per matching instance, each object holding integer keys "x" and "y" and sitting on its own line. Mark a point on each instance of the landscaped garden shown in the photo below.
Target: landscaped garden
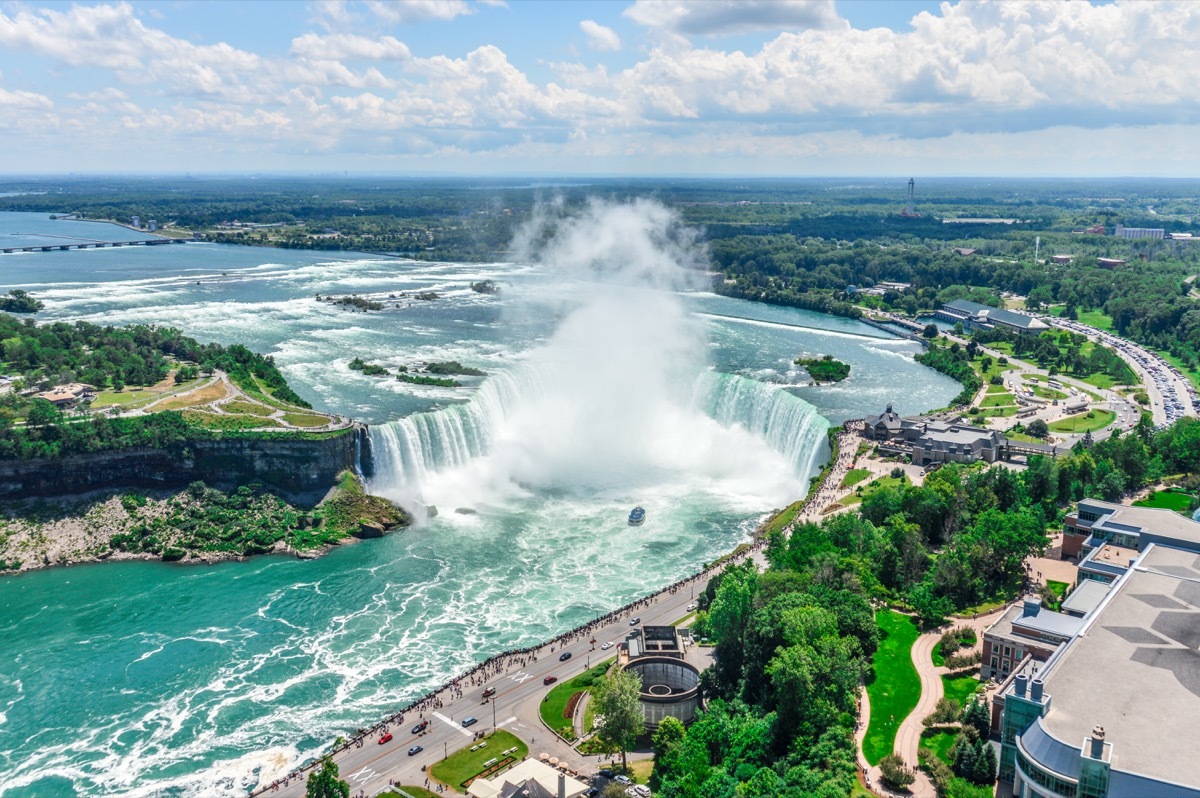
{"x": 556, "y": 703}
{"x": 893, "y": 687}
{"x": 855, "y": 476}
{"x": 467, "y": 764}
{"x": 408, "y": 791}
{"x": 1090, "y": 421}
{"x": 1170, "y": 499}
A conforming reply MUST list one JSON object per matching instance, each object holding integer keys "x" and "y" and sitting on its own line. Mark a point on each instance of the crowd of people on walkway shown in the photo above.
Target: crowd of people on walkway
{"x": 830, "y": 486}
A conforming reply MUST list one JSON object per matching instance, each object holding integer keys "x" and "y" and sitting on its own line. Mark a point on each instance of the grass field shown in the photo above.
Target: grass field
{"x": 247, "y": 408}
{"x": 874, "y": 485}
{"x": 552, "y": 707}
{"x": 305, "y": 420}
{"x": 997, "y": 399}
{"x": 939, "y": 742}
{"x": 1085, "y": 422}
{"x": 466, "y": 764}
{"x": 855, "y": 476}
{"x": 996, "y": 389}
{"x": 209, "y": 393}
{"x": 410, "y": 791}
{"x": 213, "y": 421}
{"x": 1167, "y": 499}
{"x": 893, "y": 687}
{"x": 1048, "y": 393}
{"x": 960, "y": 688}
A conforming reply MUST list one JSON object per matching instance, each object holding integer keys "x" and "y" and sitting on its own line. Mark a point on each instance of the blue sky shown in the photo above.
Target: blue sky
{"x": 669, "y": 87}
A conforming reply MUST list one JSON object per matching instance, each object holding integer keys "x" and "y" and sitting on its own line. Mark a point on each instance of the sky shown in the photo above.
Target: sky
{"x": 615, "y": 87}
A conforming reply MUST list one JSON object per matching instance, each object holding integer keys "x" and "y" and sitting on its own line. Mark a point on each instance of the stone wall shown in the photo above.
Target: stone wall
{"x": 295, "y": 465}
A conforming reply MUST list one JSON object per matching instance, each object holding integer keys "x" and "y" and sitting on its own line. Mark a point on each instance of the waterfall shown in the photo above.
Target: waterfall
{"x": 790, "y": 425}
{"x": 407, "y": 451}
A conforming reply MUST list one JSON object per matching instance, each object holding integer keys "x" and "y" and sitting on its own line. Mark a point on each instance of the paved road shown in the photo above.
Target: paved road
{"x": 519, "y": 691}
{"x": 1171, "y": 394}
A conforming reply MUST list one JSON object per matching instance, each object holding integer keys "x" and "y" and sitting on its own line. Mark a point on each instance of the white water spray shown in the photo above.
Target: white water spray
{"x": 620, "y": 398}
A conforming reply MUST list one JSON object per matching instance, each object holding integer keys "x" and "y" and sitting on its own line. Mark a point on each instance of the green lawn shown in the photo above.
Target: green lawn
{"x": 960, "y": 688}
{"x": 939, "y": 742}
{"x": 874, "y": 485}
{"x": 998, "y": 412}
{"x": 854, "y": 476}
{"x": 1021, "y": 436}
{"x": 997, "y": 399}
{"x": 410, "y": 791}
{"x": 556, "y": 700}
{"x": 1099, "y": 380}
{"x": 1096, "y": 318}
{"x": 1048, "y": 393}
{"x": 1167, "y": 499}
{"x": 996, "y": 389}
{"x": 893, "y": 687}
{"x": 1085, "y": 422}
{"x": 466, "y": 764}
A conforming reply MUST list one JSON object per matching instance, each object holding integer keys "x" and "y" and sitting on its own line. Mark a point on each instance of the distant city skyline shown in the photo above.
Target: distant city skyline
{"x": 644, "y": 87}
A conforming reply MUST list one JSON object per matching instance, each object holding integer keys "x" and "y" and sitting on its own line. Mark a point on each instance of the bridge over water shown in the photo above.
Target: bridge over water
{"x": 149, "y": 242}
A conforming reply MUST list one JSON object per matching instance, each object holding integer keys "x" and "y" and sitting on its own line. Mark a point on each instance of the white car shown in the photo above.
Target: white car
{"x": 606, "y": 646}
{"x": 692, "y": 606}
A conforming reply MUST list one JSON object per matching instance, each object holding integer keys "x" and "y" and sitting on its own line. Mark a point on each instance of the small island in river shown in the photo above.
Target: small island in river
{"x": 825, "y": 369}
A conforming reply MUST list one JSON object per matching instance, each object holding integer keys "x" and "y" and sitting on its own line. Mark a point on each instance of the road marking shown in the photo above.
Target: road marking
{"x": 452, "y": 724}
{"x": 364, "y": 775}
{"x": 506, "y": 722}
{"x": 520, "y": 677}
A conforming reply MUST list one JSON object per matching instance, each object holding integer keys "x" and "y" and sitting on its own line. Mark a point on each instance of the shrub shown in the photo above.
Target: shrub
{"x": 947, "y": 711}
{"x": 895, "y": 773}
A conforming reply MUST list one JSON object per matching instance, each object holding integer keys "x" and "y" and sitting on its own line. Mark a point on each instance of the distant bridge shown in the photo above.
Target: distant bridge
{"x": 149, "y": 242}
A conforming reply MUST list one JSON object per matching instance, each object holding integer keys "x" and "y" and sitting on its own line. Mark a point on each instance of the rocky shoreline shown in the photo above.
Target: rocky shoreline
{"x": 112, "y": 526}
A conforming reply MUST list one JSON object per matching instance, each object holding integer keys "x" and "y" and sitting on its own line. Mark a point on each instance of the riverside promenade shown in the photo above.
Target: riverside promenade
{"x": 517, "y": 676}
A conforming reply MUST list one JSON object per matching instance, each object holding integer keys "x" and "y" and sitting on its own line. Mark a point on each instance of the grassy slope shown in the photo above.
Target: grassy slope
{"x": 465, "y": 764}
{"x": 895, "y": 687}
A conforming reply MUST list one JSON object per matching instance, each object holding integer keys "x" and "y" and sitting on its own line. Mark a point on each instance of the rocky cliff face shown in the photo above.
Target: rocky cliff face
{"x": 293, "y": 465}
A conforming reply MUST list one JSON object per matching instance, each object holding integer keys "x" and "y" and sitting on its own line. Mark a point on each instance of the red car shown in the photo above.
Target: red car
{"x": 387, "y": 738}
{"x": 488, "y": 693}
{"x": 550, "y": 680}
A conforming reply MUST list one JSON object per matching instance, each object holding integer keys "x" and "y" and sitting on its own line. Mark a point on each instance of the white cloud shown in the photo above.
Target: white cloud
{"x": 347, "y": 46}
{"x": 721, "y": 17}
{"x": 399, "y": 12}
{"x": 600, "y": 37}
{"x": 24, "y": 101}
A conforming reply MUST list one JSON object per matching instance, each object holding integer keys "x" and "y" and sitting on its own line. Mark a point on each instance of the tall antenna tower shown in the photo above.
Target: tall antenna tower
{"x": 910, "y": 210}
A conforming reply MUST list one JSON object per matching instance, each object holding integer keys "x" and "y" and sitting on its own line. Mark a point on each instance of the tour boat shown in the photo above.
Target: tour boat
{"x": 637, "y": 516}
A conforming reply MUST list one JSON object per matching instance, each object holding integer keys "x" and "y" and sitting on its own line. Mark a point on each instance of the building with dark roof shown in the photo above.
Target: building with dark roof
{"x": 888, "y": 426}
{"x": 974, "y": 316}
{"x": 941, "y": 442}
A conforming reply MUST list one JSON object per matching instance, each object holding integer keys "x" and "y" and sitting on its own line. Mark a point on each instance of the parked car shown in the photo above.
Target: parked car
{"x": 606, "y": 773}
{"x": 563, "y": 657}
{"x": 550, "y": 680}
{"x": 623, "y": 779}
{"x": 386, "y": 738}
{"x": 471, "y": 721}
{"x": 420, "y": 727}
{"x": 416, "y": 749}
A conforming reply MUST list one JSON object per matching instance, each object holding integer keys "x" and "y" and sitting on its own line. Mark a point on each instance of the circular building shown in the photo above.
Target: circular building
{"x": 670, "y": 688}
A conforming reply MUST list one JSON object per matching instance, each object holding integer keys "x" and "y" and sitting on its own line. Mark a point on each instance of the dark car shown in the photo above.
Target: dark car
{"x": 471, "y": 721}
{"x": 606, "y": 773}
{"x": 416, "y": 749}
{"x": 635, "y": 621}
{"x": 488, "y": 693}
{"x": 420, "y": 727}
{"x": 550, "y": 680}
{"x": 566, "y": 655}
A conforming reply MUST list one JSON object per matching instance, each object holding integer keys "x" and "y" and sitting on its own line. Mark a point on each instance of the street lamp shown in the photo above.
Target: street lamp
{"x": 493, "y": 713}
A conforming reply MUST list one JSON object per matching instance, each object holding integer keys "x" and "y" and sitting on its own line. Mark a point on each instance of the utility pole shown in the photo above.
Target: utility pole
{"x": 493, "y": 699}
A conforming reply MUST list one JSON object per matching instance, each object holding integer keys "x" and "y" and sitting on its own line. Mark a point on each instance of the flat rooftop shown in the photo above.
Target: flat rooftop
{"x": 1152, "y": 520}
{"x": 1135, "y": 670}
{"x": 1119, "y": 556}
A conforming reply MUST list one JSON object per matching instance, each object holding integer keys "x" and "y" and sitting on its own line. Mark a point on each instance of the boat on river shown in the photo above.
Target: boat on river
{"x": 636, "y": 516}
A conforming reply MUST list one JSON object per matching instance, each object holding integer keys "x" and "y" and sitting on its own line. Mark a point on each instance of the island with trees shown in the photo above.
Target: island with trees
{"x": 825, "y": 368}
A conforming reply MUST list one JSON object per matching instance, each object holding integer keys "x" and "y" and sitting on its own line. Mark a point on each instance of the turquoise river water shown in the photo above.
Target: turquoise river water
{"x": 149, "y": 679}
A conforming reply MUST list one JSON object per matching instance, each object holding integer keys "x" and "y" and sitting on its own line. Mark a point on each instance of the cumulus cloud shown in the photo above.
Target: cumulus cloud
{"x": 347, "y": 46}
{"x": 24, "y": 101}
{"x": 720, "y": 17}
{"x": 600, "y": 37}
{"x": 408, "y": 11}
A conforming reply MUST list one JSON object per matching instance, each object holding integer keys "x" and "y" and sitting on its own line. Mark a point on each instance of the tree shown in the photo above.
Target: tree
{"x": 324, "y": 782}
{"x": 42, "y": 413}
{"x": 617, "y": 700}
{"x": 930, "y": 331}
{"x": 1037, "y": 429}
{"x": 895, "y": 773}
{"x": 977, "y": 717}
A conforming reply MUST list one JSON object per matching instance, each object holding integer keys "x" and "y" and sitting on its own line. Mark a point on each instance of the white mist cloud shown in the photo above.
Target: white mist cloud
{"x": 600, "y": 37}
{"x": 721, "y": 17}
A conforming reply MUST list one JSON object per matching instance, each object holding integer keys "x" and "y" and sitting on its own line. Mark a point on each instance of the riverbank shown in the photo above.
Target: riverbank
{"x": 196, "y": 525}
